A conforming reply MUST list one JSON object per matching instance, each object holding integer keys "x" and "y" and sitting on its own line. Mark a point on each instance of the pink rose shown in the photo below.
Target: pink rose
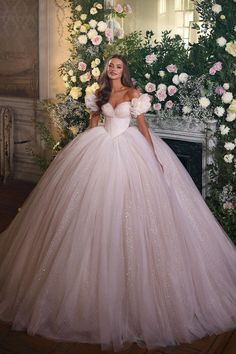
{"x": 82, "y": 66}
{"x": 96, "y": 40}
{"x": 150, "y": 87}
{"x": 172, "y": 90}
{"x": 119, "y": 8}
{"x": 109, "y": 33}
{"x": 218, "y": 66}
{"x": 161, "y": 95}
{"x": 150, "y": 58}
{"x": 219, "y": 90}
{"x": 212, "y": 71}
{"x": 171, "y": 68}
{"x": 169, "y": 104}
{"x": 157, "y": 106}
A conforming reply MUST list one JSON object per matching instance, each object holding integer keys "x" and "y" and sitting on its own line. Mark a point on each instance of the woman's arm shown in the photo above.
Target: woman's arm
{"x": 94, "y": 119}
{"x": 142, "y": 126}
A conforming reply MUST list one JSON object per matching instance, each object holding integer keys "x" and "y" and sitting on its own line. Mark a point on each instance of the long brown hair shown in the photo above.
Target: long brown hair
{"x": 104, "y": 91}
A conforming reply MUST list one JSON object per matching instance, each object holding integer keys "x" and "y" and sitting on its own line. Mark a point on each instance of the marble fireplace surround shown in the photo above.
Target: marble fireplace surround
{"x": 196, "y": 133}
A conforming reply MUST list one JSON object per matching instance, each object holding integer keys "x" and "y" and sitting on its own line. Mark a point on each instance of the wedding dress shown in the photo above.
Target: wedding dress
{"x": 115, "y": 245}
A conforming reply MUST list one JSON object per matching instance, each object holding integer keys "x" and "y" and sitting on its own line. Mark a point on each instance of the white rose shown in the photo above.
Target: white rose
{"x": 175, "y": 79}
{"x": 78, "y": 8}
{"x": 102, "y": 26}
{"x": 162, "y": 87}
{"x": 83, "y": 17}
{"x": 73, "y": 78}
{"x": 161, "y": 73}
{"x": 219, "y": 111}
{"x": 83, "y": 39}
{"x": 226, "y": 86}
{"x": 83, "y": 29}
{"x": 216, "y": 8}
{"x": 65, "y": 78}
{"x": 183, "y": 77}
{"x": 92, "y": 23}
{"x": 187, "y": 109}
{"x": 229, "y": 146}
{"x": 204, "y": 102}
{"x": 92, "y": 33}
{"x": 96, "y": 72}
{"x": 231, "y": 116}
{"x": 77, "y": 24}
{"x": 224, "y": 130}
{"x": 227, "y": 97}
{"x": 221, "y": 41}
{"x": 75, "y": 92}
{"x": 228, "y": 158}
{"x": 147, "y": 76}
{"x": 231, "y": 48}
{"x": 93, "y": 11}
{"x": 71, "y": 72}
{"x": 99, "y": 6}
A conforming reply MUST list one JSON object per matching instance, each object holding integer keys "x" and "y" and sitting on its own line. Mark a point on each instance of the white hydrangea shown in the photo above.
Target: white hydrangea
{"x": 71, "y": 72}
{"x": 228, "y": 158}
{"x": 175, "y": 79}
{"x": 216, "y": 8}
{"x": 224, "y": 130}
{"x": 183, "y": 77}
{"x": 219, "y": 111}
{"x": 204, "y": 102}
{"x": 221, "y": 41}
{"x": 73, "y": 78}
{"x": 231, "y": 116}
{"x": 65, "y": 78}
{"x": 229, "y": 146}
{"x": 227, "y": 97}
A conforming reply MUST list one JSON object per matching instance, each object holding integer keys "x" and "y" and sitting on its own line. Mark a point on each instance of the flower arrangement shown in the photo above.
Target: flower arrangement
{"x": 194, "y": 84}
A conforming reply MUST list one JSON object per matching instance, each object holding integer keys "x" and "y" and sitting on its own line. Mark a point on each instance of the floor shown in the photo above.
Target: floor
{"x": 12, "y": 196}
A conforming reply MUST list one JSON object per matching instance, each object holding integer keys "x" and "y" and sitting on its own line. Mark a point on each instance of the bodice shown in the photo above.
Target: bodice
{"x": 117, "y": 119}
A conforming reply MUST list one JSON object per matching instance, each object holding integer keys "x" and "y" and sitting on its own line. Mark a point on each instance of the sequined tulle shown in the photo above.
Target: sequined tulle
{"x": 110, "y": 249}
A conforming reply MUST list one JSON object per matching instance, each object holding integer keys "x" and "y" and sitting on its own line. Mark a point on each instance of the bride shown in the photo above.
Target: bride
{"x": 115, "y": 245}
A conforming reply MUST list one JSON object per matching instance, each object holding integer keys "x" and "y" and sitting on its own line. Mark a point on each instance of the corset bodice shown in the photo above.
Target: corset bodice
{"x": 117, "y": 119}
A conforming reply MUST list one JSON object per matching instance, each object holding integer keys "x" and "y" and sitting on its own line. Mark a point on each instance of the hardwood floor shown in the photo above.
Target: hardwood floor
{"x": 12, "y": 196}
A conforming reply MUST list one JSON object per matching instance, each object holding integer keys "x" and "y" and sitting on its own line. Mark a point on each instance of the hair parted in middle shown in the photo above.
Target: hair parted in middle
{"x": 104, "y": 91}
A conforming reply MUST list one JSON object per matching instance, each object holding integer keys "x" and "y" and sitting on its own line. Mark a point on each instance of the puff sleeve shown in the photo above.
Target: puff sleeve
{"x": 140, "y": 105}
{"x": 90, "y": 102}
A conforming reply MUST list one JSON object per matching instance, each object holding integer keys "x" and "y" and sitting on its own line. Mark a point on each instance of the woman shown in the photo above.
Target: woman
{"x": 115, "y": 244}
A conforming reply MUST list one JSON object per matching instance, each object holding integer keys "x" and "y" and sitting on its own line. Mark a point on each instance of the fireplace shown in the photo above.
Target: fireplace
{"x": 192, "y": 143}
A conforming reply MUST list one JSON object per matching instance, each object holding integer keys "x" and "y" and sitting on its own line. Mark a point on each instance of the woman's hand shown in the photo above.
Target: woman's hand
{"x": 94, "y": 119}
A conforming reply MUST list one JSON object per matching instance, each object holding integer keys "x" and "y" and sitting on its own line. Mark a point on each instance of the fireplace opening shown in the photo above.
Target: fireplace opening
{"x": 190, "y": 154}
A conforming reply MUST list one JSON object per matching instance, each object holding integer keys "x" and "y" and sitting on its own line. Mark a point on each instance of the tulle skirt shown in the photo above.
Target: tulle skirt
{"x": 115, "y": 245}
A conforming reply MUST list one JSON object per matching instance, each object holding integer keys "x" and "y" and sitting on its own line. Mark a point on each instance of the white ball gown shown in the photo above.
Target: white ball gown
{"x": 110, "y": 248}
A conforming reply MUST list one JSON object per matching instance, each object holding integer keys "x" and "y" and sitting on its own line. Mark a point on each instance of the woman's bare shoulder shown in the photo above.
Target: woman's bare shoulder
{"x": 133, "y": 93}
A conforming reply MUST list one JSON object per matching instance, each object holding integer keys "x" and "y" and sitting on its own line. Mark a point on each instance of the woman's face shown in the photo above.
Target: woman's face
{"x": 115, "y": 69}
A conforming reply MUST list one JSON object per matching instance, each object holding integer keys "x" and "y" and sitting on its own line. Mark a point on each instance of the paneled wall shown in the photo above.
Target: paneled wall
{"x": 19, "y": 59}
{"x": 32, "y": 46}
